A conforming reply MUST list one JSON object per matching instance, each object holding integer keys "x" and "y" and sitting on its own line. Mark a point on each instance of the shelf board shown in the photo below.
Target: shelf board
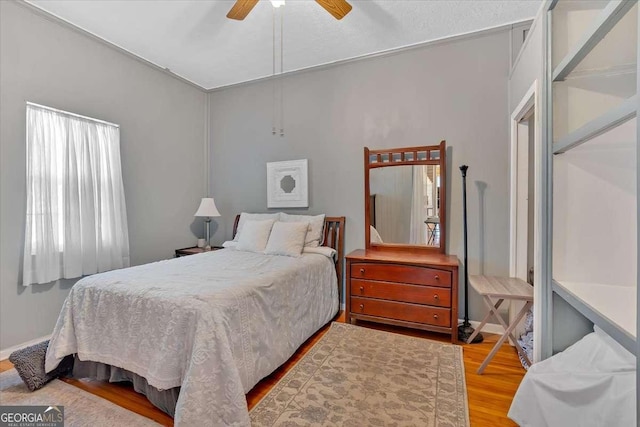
{"x": 612, "y": 118}
{"x": 612, "y": 71}
{"x": 610, "y": 307}
{"x": 607, "y": 19}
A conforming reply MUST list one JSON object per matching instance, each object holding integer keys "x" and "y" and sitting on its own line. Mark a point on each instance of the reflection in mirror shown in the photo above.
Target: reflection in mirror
{"x": 405, "y": 205}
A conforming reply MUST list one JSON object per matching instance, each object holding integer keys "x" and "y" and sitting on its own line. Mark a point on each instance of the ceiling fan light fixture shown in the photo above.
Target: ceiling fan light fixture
{"x": 241, "y": 8}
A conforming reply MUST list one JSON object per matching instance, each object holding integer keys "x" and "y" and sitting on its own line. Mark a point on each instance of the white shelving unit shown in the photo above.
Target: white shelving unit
{"x": 591, "y": 164}
{"x": 612, "y": 307}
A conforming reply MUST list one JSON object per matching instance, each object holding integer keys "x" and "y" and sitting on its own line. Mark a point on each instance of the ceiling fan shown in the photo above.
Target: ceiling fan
{"x": 337, "y": 8}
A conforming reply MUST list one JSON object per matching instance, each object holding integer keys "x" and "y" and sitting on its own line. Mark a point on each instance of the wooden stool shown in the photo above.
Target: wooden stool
{"x": 502, "y": 288}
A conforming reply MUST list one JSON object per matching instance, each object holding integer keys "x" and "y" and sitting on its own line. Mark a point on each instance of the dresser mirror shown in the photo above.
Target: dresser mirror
{"x": 405, "y": 198}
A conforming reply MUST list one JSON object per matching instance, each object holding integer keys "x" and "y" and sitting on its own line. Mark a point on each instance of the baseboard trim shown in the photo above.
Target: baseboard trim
{"x": 4, "y": 354}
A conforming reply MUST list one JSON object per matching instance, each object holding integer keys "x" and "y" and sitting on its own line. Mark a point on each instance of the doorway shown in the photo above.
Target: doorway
{"x": 524, "y": 215}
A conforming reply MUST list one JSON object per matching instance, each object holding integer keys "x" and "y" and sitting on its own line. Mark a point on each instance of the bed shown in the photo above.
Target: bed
{"x": 591, "y": 383}
{"x": 212, "y": 324}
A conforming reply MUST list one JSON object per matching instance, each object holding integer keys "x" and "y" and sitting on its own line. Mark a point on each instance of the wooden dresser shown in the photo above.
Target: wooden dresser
{"x": 416, "y": 290}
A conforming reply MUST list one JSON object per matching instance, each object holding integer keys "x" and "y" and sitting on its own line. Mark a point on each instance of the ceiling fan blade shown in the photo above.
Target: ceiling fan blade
{"x": 241, "y": 9}
{"x": 338, "y": 8}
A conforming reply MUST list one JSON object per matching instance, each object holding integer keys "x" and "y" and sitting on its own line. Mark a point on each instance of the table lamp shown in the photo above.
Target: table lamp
{"x": 208, "y": 210}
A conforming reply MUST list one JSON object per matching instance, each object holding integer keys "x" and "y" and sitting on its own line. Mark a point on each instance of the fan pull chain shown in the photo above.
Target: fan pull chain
{"x": 281, "y": 70}
{"x": 273, "y": 83}
{"x": 280, "y": 92}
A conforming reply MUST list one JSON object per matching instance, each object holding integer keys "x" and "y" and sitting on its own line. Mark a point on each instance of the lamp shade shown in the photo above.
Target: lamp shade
{"x": 207, "y": 208}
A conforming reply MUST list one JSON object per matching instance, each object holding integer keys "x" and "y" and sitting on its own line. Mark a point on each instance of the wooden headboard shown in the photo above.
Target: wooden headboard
{"x": 333, "y": 238}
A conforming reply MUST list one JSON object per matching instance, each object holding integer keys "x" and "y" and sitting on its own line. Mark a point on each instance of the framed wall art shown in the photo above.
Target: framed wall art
{"x": 287, "y": 184}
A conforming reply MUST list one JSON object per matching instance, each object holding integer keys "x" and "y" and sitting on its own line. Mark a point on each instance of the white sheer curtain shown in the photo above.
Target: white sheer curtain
{"x": 417, "y": 229}
{"x": 76, "y": 220}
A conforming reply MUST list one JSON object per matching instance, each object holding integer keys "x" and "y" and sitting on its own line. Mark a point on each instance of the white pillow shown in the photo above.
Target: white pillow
{"x": 287, "y": 238}
{"x": 321, "y": 250}
{"x": 244, "y": 217}
{"x": 255, "y": 235}
{"x": 316, "y": 225}
{"x": 374, "y": 236}
{"x": 230, "y": 244}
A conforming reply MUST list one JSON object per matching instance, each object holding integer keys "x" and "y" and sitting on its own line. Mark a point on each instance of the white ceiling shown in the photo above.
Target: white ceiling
{"x": 195, "y": 40}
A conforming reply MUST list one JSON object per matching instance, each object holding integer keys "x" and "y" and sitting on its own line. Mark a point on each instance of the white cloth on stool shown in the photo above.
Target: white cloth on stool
{"x": 591, "y": 383}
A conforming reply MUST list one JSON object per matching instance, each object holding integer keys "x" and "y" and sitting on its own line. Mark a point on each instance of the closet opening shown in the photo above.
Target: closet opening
{"x": 522, "y": 262}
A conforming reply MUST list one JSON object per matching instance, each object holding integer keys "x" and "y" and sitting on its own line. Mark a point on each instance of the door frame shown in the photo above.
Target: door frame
{"x": 530, "y": 99}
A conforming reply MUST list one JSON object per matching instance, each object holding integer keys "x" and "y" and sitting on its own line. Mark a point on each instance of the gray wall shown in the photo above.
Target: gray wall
{"x": 162, "y": 143}
{"x": 456, "y": 90}
{"x": 527, "y": 67}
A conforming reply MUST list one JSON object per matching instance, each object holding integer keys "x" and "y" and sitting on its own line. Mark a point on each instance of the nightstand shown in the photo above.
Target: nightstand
{"x": 194, "y": 250}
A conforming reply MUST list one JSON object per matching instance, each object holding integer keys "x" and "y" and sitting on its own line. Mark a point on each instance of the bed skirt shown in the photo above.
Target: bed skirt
{"x": 165, "y": 400}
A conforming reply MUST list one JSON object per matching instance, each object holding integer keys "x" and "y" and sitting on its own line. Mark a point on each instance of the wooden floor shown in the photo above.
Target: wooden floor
{"x": 489, "y": 394}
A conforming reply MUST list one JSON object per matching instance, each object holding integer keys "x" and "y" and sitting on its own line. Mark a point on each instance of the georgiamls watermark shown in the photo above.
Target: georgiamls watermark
{"x": 31, "y": 416}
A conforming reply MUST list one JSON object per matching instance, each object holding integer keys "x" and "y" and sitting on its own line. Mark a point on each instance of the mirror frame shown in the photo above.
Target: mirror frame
{"x": 406, "y": 156}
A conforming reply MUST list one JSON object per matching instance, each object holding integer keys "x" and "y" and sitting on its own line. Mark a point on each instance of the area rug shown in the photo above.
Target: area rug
{"x": 356, "y": 376}
{"x": 81, "y": 409}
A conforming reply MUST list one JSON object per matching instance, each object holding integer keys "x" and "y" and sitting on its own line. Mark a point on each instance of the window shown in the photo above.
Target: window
{"x": 76, "y": 220}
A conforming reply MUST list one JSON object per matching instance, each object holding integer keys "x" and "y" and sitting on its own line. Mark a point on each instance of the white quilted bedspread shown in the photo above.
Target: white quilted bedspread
{"x": 214, "y": 324}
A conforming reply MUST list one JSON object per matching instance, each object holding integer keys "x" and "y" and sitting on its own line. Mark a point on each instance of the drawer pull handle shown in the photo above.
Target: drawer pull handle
{"x": 435, "y": 316}
{"x": 361, "y": 307}
{"x": 436, "y": 296}
{"x": 362, "y": 270}
{"x": 361, "y": 289}
{"x": 436, "y": 277}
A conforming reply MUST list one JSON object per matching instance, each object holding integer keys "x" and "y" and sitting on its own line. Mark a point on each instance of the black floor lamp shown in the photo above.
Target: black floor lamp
{"x": 465, "y": 330}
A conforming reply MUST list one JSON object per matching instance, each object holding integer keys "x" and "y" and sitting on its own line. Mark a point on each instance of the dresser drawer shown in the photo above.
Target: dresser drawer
{"x": 401, "y": 273}
{"x": 401, "y": 292}
{"x": 402, "y": 311}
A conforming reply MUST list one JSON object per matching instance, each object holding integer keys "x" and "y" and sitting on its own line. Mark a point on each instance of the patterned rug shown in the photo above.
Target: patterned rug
{"x": 81, "y": 409}
{"x": 356, "y": 376}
